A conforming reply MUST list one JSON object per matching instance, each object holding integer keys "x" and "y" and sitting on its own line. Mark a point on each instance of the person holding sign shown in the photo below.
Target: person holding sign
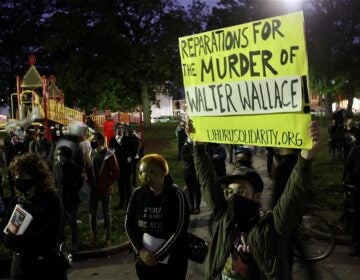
{"x": 249, "y": 243}
{"x": 36, "y": 254}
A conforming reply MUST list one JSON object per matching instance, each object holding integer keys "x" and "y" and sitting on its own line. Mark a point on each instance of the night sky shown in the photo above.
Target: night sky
{"x": 210, "y": 3}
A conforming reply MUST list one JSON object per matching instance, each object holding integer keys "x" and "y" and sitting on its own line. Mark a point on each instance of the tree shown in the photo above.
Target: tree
{"x": 153, "y": 28}
{"x": 333, "y": 46}
{"x": 118, "y": 50}
{"x": 21, "y": 34}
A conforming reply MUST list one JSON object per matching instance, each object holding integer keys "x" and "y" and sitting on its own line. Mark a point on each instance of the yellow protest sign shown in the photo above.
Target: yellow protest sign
{"x": 249, "y": 79}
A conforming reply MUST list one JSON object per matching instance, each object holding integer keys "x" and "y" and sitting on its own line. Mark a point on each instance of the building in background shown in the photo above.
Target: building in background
{"x": 166, "y": 107}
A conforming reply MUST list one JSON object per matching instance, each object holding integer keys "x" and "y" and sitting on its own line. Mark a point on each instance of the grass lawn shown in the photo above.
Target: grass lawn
{"x": 327, "y": 190}
{"x": 160, "y": 138}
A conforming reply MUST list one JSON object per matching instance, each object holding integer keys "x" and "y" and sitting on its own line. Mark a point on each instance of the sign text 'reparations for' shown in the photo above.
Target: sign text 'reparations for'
{"x": 244, "y": 72}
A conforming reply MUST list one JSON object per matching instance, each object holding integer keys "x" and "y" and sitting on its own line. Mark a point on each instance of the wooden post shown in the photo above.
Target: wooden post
{"x": 45, "y": 106}
{"x": 18, "y": 90}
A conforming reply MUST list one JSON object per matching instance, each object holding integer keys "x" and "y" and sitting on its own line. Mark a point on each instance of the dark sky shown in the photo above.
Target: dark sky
{"x": 210, "y": 3}
{"x": 290, "y": 5}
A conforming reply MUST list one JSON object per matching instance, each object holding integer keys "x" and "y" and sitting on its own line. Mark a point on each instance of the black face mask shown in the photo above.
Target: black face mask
{"x": 93, "y": 144}
{"x": 244, "y": 213}
{"x": 23, "y": 185}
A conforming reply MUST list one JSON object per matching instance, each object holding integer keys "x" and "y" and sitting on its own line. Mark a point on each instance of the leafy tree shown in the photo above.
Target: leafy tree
{"x": 86, "y": 51}
{"x": 119, "y": 53}
{"x": 117, "y": 50}
{"x": 153, "y": 28}
{"x": 333, "y": 47}
{"x": 21, "y": 34}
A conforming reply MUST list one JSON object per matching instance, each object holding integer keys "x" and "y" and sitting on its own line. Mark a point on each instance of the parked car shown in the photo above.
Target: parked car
{"x": 161, "y": 119}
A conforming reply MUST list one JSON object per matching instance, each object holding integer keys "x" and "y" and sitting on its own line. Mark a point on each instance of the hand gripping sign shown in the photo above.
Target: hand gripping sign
{"x": 247, "y": 84}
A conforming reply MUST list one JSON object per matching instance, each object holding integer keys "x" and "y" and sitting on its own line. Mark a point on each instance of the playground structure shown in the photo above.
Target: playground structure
{"x": 39, "y": 99}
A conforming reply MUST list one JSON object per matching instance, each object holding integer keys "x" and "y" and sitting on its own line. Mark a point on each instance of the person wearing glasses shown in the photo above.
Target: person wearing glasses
{"x": 249, "y": 243}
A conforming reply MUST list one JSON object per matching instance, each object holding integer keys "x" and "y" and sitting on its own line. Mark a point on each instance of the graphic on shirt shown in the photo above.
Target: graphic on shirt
{"x": 151, "y": 219}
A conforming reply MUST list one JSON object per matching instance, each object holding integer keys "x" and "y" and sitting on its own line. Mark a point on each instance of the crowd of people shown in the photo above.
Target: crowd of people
{"x": 45, "y": 177}
{"x": 247, "y": 243}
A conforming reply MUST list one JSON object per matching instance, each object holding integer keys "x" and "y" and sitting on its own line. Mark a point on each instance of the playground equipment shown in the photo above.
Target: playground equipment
{"x": 39, "y": 99}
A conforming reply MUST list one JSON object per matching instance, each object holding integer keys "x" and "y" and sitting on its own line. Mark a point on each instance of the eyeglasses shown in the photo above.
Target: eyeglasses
{"x": 234, "y": 189}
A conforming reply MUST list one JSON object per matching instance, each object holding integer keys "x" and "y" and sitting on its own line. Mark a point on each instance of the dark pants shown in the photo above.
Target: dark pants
{"x": 175, "y": 269}
{"x": 124, "y": 187}
{"x": 193, "y": 188}
{"x": 93, "y": 206}
{"x": 37, "y": 266}
{"x": 71, "y": 216}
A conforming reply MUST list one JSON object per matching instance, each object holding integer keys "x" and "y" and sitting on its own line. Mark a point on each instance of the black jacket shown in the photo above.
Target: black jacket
{"x": 169, "y": 219}
{"x": 35, "y": 254}
{"x": 68, "y": 181}
{"x": 123, "y": 151}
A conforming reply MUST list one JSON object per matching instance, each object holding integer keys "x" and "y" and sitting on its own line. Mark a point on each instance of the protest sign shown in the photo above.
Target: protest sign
{"x": 247, "y": 84}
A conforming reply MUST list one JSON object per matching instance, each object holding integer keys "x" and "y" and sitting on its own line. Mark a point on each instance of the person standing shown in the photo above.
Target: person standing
{"x": 217, "y": 154}
{"x": 15, "y": 148}
{"x": 139, "y": 153}
{"x": 42, "y": 147}
{"x": 68, "y": 181}
{"x": 181, "y": 137}
{"x": 71, "y": 138}
{"x": 36, "y": 251}
{"x": 247, "y": 242}
{"x": 123, "y": 147}
{"x": 84, "y": 146}
{"x": 339, "y": 121}
{"x": 102, "y": 171}
{"x": 192, "y": 184}
{"x": 156, "y": 222}
{"x": 108, "y": 127}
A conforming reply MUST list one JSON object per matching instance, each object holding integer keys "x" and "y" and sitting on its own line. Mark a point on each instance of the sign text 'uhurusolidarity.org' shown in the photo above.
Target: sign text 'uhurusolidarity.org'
{"x": 247, "y": 84}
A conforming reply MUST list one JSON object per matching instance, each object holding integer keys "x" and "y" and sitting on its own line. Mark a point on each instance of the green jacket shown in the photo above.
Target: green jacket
{"x": 268, "y": 239}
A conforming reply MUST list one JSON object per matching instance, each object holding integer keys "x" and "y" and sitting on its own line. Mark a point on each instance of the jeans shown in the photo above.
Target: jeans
{"x": 93, "y": 206}
{"x": 71, "y": 216}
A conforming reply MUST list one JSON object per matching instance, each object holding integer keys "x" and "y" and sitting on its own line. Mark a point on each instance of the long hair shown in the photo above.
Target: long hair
{"x": 37, "y": 168}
